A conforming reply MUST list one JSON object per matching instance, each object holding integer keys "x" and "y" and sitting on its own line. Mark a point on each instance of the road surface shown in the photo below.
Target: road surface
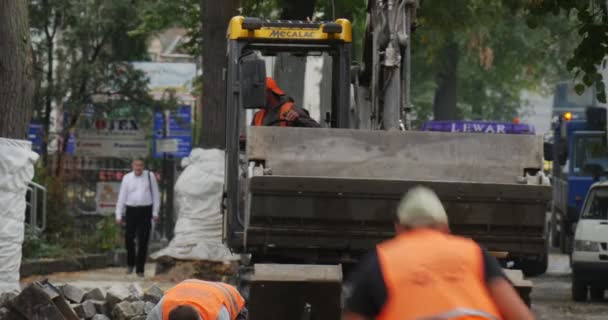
{"x": 551, "y": 299}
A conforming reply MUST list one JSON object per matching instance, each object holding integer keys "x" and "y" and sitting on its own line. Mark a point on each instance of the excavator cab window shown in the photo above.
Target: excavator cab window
{"x": 304, "y": 77}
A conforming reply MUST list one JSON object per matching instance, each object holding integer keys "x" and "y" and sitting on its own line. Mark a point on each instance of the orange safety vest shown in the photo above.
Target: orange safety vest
{"x": 432, "y": 275}
{"x": 206, "y": 297}
{"x": 259, "y": 116}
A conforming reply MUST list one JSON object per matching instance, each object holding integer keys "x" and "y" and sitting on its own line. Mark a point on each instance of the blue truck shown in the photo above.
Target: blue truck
{"x": 580, "y": 158}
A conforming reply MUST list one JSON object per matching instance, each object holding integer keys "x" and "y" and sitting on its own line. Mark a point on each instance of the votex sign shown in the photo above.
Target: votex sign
{"x": 119, "y": 138}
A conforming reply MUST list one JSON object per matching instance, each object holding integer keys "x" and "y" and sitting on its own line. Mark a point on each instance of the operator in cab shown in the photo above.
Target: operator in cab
{"x": 427, "y": 273}
{"x": 280, "y": 110}
{"x": 200, "y": 300}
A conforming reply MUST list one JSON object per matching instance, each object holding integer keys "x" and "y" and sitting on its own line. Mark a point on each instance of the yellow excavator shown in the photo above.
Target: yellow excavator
{"x": 328, "y": 195}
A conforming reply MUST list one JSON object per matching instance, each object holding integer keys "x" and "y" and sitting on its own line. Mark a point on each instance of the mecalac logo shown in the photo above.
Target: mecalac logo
{"x": 291, "y": 34}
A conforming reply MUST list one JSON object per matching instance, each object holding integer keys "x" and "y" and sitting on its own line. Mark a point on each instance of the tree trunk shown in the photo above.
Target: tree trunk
{"x": 216, "y": 15}
{"x": 16, "y": 74}
{"x": 446, "y": 94}
{"x": 477, "y": 105}
{"x": 48, "y": 100}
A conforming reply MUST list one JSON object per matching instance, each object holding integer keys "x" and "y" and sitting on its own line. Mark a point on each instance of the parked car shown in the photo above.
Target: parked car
{"x": 590, "y": 251}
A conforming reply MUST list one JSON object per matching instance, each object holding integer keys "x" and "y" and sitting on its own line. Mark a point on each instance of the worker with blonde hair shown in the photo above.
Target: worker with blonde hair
{"x": 426, "y": 273}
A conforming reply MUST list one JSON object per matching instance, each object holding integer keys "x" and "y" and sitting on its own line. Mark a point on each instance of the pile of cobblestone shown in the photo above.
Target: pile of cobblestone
{"x": 42, "y": 300}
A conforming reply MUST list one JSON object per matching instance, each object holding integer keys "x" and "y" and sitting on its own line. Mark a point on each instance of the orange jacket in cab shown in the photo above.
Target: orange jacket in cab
{"x": 259, "y": 116}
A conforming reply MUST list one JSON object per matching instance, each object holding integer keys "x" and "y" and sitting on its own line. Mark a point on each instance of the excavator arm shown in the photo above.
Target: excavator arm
{"x": 383, "y": 91}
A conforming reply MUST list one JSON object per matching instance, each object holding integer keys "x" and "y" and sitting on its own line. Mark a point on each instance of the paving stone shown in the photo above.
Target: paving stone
{"x": 153, "y": 294}
{"x": 34, "y": 303}
{"x": 148, "y": 306}
{"x": 95, "y": 294}
{"x": 89, "y": 309}
{"x": 72, "y": 293}
{"x": 123, "y": 311}
{"x": 115, "y": 295}
{"x": 135, "y": 292}
{"x": 101, "y": 307}
{"x": 138, "y": 307}
{"x": 78, "y": 309}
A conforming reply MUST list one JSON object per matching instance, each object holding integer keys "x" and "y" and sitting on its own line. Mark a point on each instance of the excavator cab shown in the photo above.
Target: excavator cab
{"x": 283, "y": 50}
{"x": 286, "y": 50}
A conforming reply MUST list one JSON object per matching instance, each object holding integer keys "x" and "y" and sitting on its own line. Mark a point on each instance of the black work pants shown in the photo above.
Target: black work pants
{"x": 138, "y": 225}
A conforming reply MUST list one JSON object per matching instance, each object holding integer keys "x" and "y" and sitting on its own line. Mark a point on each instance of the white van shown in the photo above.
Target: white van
{"x": 590, "y": 252}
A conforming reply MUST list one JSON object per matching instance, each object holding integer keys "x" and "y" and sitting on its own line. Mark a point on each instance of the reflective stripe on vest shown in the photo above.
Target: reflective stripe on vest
{"x": 430, "y": 275}
{"x": 260, "y": 115}
{"x": 459, "y": 313}
{"x": 206, "y": 297}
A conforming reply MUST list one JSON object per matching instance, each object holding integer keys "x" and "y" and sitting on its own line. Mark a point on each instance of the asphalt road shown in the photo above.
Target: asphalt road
{"x": 551, "y": 296}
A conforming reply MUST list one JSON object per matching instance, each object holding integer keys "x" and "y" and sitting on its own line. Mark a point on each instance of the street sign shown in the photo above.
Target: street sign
{"x": 107, "y": 196}
{"x": 36, "y": 136}
{"x": 101, "y": 137}
{"x": 478, "y": 127}
{"x": 168, "y": 145}
{"x": 177, "y": 141}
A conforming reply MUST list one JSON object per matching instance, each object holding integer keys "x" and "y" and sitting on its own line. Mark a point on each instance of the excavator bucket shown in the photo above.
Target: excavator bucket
{"x": 335, "y": 191}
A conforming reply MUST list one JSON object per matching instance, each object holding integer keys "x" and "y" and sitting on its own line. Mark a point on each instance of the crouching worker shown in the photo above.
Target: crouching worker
{"x": 200, "y": 300}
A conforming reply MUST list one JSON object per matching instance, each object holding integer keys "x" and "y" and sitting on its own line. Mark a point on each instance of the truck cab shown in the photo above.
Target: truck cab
{"x": 590, "y": 250}
{"x": 579, "y": 158}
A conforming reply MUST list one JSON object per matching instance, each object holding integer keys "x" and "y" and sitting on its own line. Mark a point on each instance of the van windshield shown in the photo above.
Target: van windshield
{"x": 597, "y": 205}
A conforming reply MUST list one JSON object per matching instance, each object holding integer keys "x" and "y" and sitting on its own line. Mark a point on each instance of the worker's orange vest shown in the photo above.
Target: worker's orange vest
{"x": 432, "y": 275}
{"x": 206, "y": 297}
{"x": 259, "y": 116}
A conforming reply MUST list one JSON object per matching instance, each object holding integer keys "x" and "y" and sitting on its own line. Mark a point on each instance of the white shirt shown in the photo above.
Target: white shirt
{"x": 135, "y": 191}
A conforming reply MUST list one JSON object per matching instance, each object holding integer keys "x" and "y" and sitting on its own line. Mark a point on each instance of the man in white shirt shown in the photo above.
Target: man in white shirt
{"x": 138, "y": 204}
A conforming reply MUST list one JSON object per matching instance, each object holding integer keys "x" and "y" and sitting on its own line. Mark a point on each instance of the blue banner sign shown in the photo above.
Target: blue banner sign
{"x": 177, "y": 141}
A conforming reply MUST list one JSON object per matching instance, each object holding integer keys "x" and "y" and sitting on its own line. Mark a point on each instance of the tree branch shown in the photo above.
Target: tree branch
{"x": 97, "y": 49}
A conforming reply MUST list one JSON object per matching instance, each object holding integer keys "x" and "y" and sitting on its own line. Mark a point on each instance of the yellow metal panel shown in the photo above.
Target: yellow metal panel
{"x": 347, "y": 30}
{"x": 236, "y": 31}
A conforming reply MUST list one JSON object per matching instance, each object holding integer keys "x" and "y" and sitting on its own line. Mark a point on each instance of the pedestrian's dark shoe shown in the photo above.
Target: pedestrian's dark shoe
{"x": 140, "y": 274}
{"x": 129, "y": 270}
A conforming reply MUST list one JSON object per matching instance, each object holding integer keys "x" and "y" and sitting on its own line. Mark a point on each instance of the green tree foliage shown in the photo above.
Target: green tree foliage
{"x": 591, "y": 23}
{"x": 158, "y": 15}
{"x": 483, "y": 51}
{"x": 498, "y": 56}
{"x": 354, "y": 10}
{"x": 81, "y": 50}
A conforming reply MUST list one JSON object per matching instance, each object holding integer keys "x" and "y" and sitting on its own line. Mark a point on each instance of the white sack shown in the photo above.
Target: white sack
{"x": 198, "y": 192}
{"x": 16, "y": 170}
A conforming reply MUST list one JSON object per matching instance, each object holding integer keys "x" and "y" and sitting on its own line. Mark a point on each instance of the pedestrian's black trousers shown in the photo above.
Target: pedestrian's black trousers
{"x": 138, "y": 225}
